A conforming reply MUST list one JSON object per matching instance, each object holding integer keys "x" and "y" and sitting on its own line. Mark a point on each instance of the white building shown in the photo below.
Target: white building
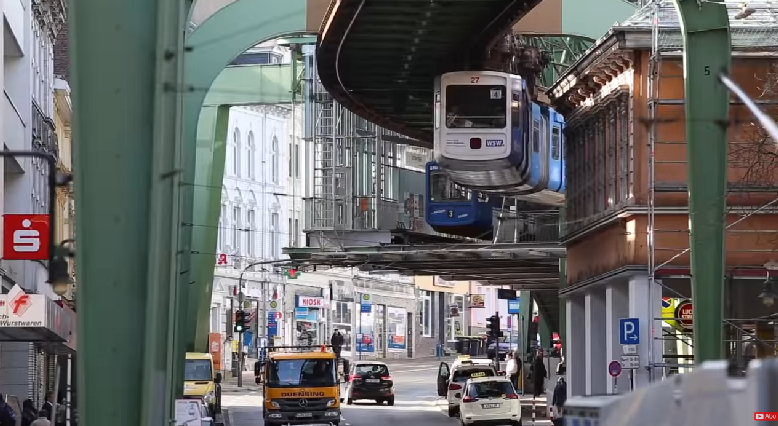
{"x": 27, "y": 42}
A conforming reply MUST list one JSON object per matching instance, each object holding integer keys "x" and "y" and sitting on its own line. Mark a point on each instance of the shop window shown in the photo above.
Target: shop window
{"x": 454, "y": 323}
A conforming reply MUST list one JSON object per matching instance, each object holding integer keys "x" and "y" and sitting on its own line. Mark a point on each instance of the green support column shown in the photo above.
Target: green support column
{"x": 525, "y": 312}
{"x": 212, "y": 46}
{"x": 562, "y": 283}
{"x": 707, "y": 53}
{"x": 562, "y": 304}
{"x": 125, "y": 182}
{"x": 544, "y": 330}
{"x": 211, "y": 152}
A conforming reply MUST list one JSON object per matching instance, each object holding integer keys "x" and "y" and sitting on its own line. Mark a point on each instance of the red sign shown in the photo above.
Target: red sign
{"x": 766, "y": 416}
{"x": 221, "y": 259}
{"x": 26, "y": 236}
{"x": 684, "y": 312}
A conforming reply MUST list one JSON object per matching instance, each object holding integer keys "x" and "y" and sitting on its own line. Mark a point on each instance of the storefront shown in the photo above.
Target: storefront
{"x": 310, "y": 329}
{"x": 342, "y": 317}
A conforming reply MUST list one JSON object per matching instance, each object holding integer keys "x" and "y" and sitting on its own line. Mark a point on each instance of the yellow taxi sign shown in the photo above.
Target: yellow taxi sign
{"x": 478, "y": 374}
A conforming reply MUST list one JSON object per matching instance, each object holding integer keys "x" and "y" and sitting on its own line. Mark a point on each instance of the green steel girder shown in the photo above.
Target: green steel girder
{"x": 212, "y": 46}
{"x": 252, "y": 85}
{"x": 707, "y": 53}
{"x": 564, "y": 51}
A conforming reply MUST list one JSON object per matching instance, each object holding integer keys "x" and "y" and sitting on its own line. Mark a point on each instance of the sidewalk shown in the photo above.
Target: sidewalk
{"x": 230, "y": 384}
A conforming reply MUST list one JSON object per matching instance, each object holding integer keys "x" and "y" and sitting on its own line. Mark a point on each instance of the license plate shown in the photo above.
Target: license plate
{"x": 487, "y": 406}
{"x": 373, "y": 380}
{"x": 304, "y": 415}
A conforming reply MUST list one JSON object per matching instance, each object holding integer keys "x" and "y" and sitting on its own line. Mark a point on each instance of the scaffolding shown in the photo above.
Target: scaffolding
{"x": 754, "y": 28}
{"x": 355, "y": 166}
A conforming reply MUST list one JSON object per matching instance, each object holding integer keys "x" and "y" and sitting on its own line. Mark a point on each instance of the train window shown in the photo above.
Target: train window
{"x": 516, "y": 109}
{"x": 476, "y": 106}
{"x": 555, "y": 143}
{"x": 442, "y": 189}
{"x": 536, "y": 135}
{"x": 543, "y": 131}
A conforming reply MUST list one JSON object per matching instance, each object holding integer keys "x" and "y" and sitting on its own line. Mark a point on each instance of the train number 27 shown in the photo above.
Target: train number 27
{"x": 474, "y": 79}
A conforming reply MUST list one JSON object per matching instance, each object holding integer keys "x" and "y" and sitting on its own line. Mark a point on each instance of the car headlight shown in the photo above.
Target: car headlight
{"x": 274, "y": 404}
{"x": 331, "y": 403}
{"x": 209, "y": 397}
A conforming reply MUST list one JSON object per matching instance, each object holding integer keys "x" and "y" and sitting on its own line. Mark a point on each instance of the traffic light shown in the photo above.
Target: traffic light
{"x": 493, "y": 327}
{"x": 240, "y": 321}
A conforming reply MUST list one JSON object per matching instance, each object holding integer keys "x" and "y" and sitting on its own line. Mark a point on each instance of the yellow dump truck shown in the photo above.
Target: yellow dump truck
{"x": 301, "y": 386}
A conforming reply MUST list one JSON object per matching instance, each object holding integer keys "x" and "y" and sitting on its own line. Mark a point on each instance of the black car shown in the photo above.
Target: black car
{"x": 370, "y": 380}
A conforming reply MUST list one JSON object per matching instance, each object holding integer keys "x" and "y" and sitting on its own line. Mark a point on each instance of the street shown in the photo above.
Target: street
{"x": 416, "y": 402}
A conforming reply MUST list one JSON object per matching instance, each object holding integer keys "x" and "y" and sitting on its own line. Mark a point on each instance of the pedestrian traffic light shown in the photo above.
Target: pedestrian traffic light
{"x": 240, "y": 321}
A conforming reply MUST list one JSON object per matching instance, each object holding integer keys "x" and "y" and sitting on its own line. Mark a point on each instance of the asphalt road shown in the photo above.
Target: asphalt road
{"x": 416, "y": 403}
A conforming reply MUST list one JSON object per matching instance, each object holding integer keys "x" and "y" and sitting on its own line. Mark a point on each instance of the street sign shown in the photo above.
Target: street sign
{"x": 614, "y": 368}
{"x": 365, "y": 309}
{"x": 272, "y": 305}
{"x": 513, "y": 306}
{"x": 365, "y": 299}
{"x": 629, "y": 331}
{"x": 630, "y": 349}
{"x": 630, "y": 362}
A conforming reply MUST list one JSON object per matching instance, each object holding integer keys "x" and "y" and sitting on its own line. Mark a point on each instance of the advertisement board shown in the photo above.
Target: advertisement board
{"x": 396, "y": 328}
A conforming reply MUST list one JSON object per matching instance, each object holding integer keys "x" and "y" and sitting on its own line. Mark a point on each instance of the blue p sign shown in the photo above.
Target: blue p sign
{"x": 629, "y": 331}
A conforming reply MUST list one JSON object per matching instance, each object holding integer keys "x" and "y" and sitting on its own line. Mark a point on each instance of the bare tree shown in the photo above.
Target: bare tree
{"x": 754, "y": 152}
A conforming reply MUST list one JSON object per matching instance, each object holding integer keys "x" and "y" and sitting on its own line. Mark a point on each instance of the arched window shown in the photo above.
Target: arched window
{"x": 252, "y": 156}
{"x": 275, "y": 160}
{"x": 236, "y": 152}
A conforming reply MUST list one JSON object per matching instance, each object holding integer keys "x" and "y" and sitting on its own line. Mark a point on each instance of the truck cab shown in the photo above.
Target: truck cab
{"x": 300, "y": 387}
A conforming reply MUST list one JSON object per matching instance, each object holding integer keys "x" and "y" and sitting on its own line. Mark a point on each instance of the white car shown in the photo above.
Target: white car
{"x": 491, "y": 400}
{"x": 451, "y": 382}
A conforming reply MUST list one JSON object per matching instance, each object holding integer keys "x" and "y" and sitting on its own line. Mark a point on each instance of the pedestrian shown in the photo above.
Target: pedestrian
{"x": 29, "y": 413}
{"x": 511, "y": 370}
{"x": 539, "y": 375}
{"x": 7, "y": 415}
{"x": 337, "y": 341}
{"x": 558, "y": 400}
{"x": 48, "y": 404}
{"x": 42, "y": 419}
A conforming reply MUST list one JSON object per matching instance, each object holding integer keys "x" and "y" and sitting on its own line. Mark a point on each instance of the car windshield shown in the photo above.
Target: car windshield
{"x": 302, "y": 372}
{"x": 372, "y": 370}
{"x": 496, "y": 389}
{"x": 198, "y": 370}
{"x": 463, "y": 375}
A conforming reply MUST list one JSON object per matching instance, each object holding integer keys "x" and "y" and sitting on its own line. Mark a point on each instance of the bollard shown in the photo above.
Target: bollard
{"x": 439, "y": 351}
{"x": 533, "y": 410}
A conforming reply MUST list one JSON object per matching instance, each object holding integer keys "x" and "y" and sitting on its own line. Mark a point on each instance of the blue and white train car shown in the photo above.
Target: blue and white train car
{"x": 455, "y": 210}
{"x": 490, "y": 137}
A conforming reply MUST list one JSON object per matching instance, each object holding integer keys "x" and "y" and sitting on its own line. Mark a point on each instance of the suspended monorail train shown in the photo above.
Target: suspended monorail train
{"x": 490, "y": 137}
{"x": 453, "y": 209}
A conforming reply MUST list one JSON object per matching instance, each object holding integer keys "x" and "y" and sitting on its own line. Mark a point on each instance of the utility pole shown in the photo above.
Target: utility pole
{"x": 241, "y": 358}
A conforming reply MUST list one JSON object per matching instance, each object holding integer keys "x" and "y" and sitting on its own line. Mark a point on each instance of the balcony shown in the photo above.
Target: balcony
{"x": 44, "y": 138}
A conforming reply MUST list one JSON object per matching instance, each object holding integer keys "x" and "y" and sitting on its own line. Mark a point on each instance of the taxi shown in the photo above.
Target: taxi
{"x": 490, "y": 401}
{"x": 451, "y": 380}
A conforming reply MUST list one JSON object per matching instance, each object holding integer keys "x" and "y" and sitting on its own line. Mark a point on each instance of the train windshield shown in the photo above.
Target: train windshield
{"x": 442, "y": 189}
{"x": 481, "y": 107}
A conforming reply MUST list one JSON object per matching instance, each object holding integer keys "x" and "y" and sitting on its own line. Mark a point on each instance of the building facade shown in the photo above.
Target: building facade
{"x": 627, "y": 167}
{"x": 28, "y": 365}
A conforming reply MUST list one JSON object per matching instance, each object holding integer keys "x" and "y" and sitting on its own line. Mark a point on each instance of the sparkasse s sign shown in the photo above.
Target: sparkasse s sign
{"x": 310, "y": 302}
